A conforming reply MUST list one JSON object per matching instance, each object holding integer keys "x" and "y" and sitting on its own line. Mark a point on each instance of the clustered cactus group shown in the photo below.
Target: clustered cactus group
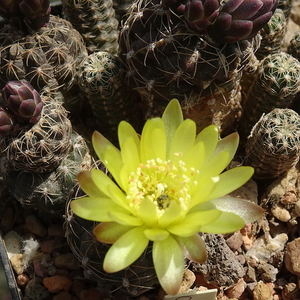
{"x": 61, "y": 78}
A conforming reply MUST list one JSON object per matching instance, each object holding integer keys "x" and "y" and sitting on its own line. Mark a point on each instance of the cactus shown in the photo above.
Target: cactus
{"x": 46, "y": 58}
{"x": 294, "y": 45}
{"x": 273, "y": 146}
{"x": 96, "y": 22}
{"x": 172, "y": 50}
{"x": 100, "y": 80}
{"x": 27, "y": 15}
{"x": 49, "y": 191}
{"x": 275, "y": 85}
{"x": 136, "y": 279}
{"x": 42, "y": 147}
{"x": 272, "y": 35}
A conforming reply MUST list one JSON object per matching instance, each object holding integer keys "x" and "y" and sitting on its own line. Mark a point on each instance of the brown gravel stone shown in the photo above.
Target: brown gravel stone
{"x": 235, "y": 241}
{"x": 237, "y": 290}
{"x": 16, "y": 262}
{"x": 291, "y": 259}
{"x": 34, "y": 226}
{"x": 262, "y": 291}
{"x": 188, "y": 280}
{"x": 22, "y": 279}
{"x": 47, "y": 246}
{"x": 67, "y": 261}
{"x": 56, "y": 230}
{"x": 62, "y": 296}
{"x": 57, "y": 283}
{"x": 90, "y": 294}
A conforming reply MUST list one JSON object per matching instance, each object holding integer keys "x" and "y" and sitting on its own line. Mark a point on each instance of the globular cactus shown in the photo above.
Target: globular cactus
{"x": 42, "y": 147}
{"x": 174, "y": 50}
{"x": 275, "y": 85}
{"x": 294, "y": 45}
{"x": 22, "y": 100}
{"x": 273, "y": 146}
{"x": 49, "y": 191}
{"x": 134, "y": 280}
{"x": 100, "y": 79}
{"x": 272, "y": 35}
{"x": 46, "y": 58}
{"x": 27, "y": 15}
{"x": 96, "y": 22}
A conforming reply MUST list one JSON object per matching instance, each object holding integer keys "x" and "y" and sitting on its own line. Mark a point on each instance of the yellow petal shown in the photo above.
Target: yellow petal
{"x": 87, "y": 184}
{"x": 172, "y": 214}
{"x": 169, "y": 264}
{"x": 147, "y": 212}
{"x": 126, "y": 131}
{"x": 153, "y": 140}
{"x": 110, "y": 232}
{"x": 130, "y": 155}
{"x": 183, "y": 140}
{"x": 125, "y": 218}
{"x": 156, "y": 234}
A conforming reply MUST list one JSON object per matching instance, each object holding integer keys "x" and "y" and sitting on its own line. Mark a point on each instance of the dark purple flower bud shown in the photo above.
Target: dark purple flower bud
{"x": 199, "y": 14}
{"x": 22, "y": 100}
{"x": 7, "y": 122}
{"x": 241, "y": 19}
{"x": 26, "y": 14}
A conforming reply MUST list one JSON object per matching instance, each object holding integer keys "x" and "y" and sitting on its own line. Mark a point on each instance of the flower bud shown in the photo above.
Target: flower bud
{"x": 7, "y": 122}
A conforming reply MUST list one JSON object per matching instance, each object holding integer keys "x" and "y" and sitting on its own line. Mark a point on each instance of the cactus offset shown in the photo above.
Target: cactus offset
{"x": 100, "y": 80}
{"x": 96, "y": 22}
{"x": 275, "y": 85}
{"x": 273, "y": 146}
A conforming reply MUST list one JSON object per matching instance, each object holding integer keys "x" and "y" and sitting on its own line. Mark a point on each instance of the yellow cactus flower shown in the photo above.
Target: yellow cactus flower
{"x": 168, "y": 185}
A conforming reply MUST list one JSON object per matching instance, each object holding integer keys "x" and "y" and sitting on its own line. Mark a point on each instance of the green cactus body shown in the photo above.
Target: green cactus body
{"x": 49, "y": 191}
{"x": 273, "y": 146}
{"x": 42, "y": 147}
{"x": 134, "y": 280}
{"x": 47, "y": 58}
{"x": 96, "y": 22}
{"x": 100, "y": 78}
{"x": 272, "y": 35}
{"x": 274, "y": 86}
{"x": 294, "y": 46}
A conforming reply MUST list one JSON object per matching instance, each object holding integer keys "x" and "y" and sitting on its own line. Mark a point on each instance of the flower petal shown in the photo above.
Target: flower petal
{"x": 235, "y": 213}
{"x": 194, "y": 156}
{"x": 171, "y": 214}
{"x": 87, "y": 184}
{"x": 172, "y": 118}
{"x": 195, "y": 247}
{"x": 230, "y": 144}
{"x": 125, "y": 218}
{"x": 110, "y": 232}
{"x": 95, "y": 208}
{"x": 108, "y": 154}
{"x": 147, "y": 212}
{"x": 209, "y": 136}
{"x": 153, "y": 140}
{"x": 191, "y": 223}
{"x": 109, "y": 188}
{"x": 126, "y": 131}
{"x": 156, "y": 234}
{"x": 183, "y": 140}
{"x": 130, "y": 157}
{"x": 127, "y": 249}
{"x": 169, "y": 264}
{"x": 230, "y": 181}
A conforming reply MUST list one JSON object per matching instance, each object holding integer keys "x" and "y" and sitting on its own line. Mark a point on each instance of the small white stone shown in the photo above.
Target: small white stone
{"x": 13, "y": 243}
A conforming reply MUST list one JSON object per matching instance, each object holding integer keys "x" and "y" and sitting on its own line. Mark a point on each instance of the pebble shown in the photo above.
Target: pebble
{"x": 16, "y": 263}
{"x": 63, "y": 296}
{"x": 12, "y": 242}
{"x": 281, "y": 213}
{"x": 262, "y": 292}
{"x": 188, "y": 280}
{"x": 90, "y": 294}
{"x": 290, "y": 291}
{"x": 235, "y": 241}
{"x": 22, "y": 279}
{"x": 34, "y": 226}
{"x": 57, "y": 283}
{"x": 56, "y": 230}
{"x": 237, "y": 290}
{"x": 35, "y": 290}
{"x": 265, "y": 247}
{"x": 67, "y": 261}
{"x": 292, "y": 255}
{"x": 267, "y": 272}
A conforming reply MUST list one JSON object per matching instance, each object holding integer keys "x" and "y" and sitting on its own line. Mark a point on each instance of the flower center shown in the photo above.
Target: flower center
{"x": 162, "y": 182}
